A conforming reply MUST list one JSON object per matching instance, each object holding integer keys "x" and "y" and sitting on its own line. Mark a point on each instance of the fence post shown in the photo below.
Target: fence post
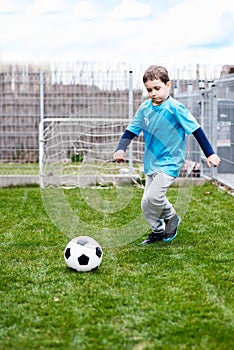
{"x": 202, "y": 123}
{"x": 130, "y": 115}
{"x": 41, "y": 95}
{"x": 41, "y": 129}
{"x": 214, "y": 119}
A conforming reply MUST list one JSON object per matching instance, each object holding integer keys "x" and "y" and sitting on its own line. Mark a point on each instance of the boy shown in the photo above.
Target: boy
{"x": 164, "y": 122}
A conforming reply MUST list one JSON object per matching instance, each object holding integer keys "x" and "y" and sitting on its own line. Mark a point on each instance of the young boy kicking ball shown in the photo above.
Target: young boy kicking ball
{"x": 164, "y": 122}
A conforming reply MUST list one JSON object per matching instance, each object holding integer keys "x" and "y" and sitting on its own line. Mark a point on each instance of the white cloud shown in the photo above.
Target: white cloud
{"x": 11, "y": 6}
{"x": 87, "y": 10}
{"x": 134, "y": 31}
{"x": 44, "y": 6}
{"x": 131, "y": 9}
{"x": 197, "y": 21}
{"x": 181, "y": 32}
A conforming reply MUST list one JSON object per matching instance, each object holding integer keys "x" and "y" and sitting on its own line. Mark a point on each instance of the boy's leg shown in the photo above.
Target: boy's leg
{"x": 155, "y": 222}
{"x": 155, "y": 206}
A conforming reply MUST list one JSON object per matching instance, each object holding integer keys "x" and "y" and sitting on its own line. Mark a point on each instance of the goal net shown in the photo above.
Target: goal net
{"x": 78, "y": 152}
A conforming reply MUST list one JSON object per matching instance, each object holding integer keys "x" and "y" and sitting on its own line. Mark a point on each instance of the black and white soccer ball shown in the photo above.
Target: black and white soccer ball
{"x": 83, "y": 254}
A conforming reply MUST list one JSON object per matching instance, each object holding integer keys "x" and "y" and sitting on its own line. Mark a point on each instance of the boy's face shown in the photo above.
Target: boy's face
{"x": 158, "y": 91}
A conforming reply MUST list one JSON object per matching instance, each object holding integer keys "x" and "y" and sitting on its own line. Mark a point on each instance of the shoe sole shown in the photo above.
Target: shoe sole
{"x": 152, "y": 242}
{"x": 167, "y": 240}
{"x": 148, "y": 241}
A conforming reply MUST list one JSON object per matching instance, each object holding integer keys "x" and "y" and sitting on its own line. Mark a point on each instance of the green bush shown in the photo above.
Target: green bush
{"x": 77, "y": 158}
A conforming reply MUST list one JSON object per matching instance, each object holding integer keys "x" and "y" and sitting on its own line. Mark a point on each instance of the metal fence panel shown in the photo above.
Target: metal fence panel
{"x": 225, "y": 130}
{"x": 19, "y": 111}
{"x": 216, "y": 115}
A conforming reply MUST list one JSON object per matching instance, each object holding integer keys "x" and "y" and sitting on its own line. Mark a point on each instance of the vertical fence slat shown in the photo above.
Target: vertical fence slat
{"x": 130, "y": 112}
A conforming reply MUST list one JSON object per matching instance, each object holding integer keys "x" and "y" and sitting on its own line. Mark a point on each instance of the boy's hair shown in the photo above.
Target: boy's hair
{"x": 156, "y": 72}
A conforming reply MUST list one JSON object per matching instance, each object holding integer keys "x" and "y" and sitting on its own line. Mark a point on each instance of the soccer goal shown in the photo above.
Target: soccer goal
{"x": 78, "y": 152}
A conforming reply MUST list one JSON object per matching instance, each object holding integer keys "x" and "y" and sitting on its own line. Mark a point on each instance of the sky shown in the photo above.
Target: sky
{"x": 134, "y": 31}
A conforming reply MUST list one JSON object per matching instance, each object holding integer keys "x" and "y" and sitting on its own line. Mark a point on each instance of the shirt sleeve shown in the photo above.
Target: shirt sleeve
{"x": 125, "y": 140}
{"x": 203, "y": 141}
{"x": 186, "y": 119}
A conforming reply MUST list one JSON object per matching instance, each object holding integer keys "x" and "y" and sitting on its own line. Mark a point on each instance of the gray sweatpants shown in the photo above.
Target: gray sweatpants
{"x": 155, "y": 205}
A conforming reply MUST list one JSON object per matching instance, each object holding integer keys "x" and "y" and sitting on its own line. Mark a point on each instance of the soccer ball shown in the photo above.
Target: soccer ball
{"x": 83, "y": 253}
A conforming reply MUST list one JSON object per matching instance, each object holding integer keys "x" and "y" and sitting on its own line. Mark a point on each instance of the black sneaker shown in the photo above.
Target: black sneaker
{"x": 153, "y": 237}
{"x": 171, "y": 228}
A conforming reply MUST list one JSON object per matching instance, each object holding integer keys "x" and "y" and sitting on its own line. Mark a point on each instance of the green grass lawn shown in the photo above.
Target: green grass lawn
{"x": 163, "y": 296}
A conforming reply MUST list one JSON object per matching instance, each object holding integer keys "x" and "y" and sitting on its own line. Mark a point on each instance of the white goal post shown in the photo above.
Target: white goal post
{"x": 76, "y": 152}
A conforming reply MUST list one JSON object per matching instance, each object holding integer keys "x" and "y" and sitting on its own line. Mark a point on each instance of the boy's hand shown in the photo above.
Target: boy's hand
{"x": 119, "y": 156}
{"x": 213, "y": 160}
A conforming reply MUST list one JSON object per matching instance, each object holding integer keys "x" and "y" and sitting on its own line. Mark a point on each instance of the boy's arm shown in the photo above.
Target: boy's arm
{"x": 123, "y": 144}
{"x": 212, "y": 158}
